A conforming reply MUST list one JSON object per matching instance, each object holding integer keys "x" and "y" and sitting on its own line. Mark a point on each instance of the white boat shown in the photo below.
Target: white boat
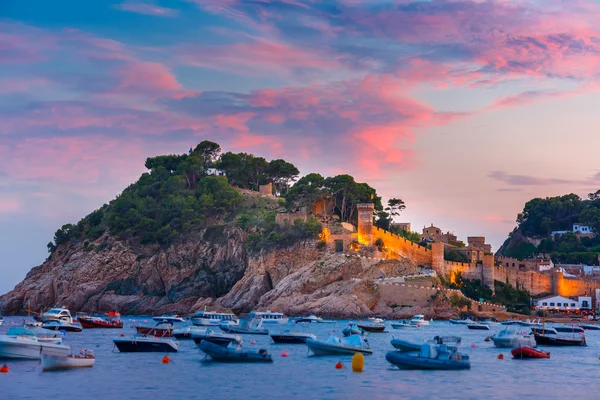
{"x": 211, "y": 318}
{"x": 376, "y": 320}
{"x": 461, "y": 321}
{"x": 171, "y": 318}
{"x": 420, "y": 320}
{"x": 186, "y": 332}
{"x": 53, "y": 362}
{"x": 269, "y": 317}
{"x": 57, "y": 314}
{"x": 20, "y": 343}
{"x": 404, "y": 325}
{"x": 335, "y": 345}
{"x": 145, "y": 344}
{"x": 314, "y": 318}
{"x": 62, "y": 326}
{"x": 512, "y": 336}
{"x": 293, "y": 335}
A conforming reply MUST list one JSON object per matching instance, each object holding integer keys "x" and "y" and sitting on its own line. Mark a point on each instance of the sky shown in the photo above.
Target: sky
{"x": 464, "y": 109}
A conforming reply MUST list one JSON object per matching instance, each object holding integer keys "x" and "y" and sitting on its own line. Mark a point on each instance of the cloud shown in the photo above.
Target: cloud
{"x": 9, "y": 205}
{"x": 146, "y": 8}
{"x": 525, "y": 180}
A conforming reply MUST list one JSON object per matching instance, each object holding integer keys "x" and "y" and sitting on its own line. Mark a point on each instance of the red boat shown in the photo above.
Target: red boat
{"x": 528, "y": 352}
{"x": 112, "y": 320}
{"x": 162, "y": 329}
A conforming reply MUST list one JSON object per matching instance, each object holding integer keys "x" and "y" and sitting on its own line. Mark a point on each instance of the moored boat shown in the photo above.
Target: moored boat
{"x": 53, "y": 362}
{"x": 420, "y": 320}
{"x": 171, "y": 318}
{"x": 404, "y": 325}
{"x": 145, "y": 344}
{"x": 57, "y": 314}
{"x": 245, "y": 327}
{"x": 555, "y": 340}
{"x": 528, "y": 352}
{"x": 461, "y": 321}
{"x": 335, "y": 345}
{"x": 186, "y": 332}
{"x": 269, "y": 317}
{"x": 61, "y": 326}
{"x": 478, "y": 326}
{"x": 222, "y": 339}
{"x": 372, "y": 327}
{"x": 112, "y": 320}
{"x": 21, "y": 343}
{"x": 352, "y": 329}
{"x": 590, "y": 327}
{"x": 234, "y": 353}
{"x": 512, "y": 336}
{"x": 162, "y": 329}
{"x": 212, "y": 318}
{"x": 430, "y": 357}
{"x": 293, "y": 335}
{"x": 410, "y": 346}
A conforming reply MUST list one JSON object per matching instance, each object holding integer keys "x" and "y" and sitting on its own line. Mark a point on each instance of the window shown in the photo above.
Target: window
{"x": 544, "y": 304}
{"x": 558, "y": 304}
{"x": 552, "y": 304}
{"x": 572, "y": 304}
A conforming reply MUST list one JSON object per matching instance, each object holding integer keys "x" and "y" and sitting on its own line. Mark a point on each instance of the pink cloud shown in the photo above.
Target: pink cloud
{"x": 8, "y": 205}
{"x": 149, "y": 79}
{"x": 234, "y": 121}
{"x": 146, "y": 8}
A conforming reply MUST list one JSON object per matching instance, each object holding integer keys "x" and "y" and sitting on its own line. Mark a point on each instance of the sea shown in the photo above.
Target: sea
{"x": 570, "y": 372}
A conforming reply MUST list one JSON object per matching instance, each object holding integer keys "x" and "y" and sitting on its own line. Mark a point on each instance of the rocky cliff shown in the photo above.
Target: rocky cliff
{"x": 214, "y": 270}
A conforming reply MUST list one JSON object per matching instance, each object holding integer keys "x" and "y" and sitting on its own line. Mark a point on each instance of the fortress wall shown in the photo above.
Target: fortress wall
{"x": 404, "y": 248}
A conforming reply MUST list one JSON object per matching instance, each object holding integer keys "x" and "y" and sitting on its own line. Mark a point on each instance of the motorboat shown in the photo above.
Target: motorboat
{"x": 528, "y": 352}
{"x": 376, "y": 320}
{"x": 544, "y": 330}
{"x": 234, "y": 352}
{"x": 490, "y": 322}
{"x": 555, "y": 340}
{"x": 528, "y": 322}
{"x": 62, "y": 326}
{"x": 404, "y": 325}
{"x": 222, "y": 339}
{"x": 461, "y": 321}
{"x": 352, "y": 329}
{"x": 269, "y": 317}
{"x": 512, "y": 336}
{"x": 293, "y": 335}
{"x": 57, "y": 314}
{"x": 420, "y": 320}
{"x": 186, "y": 332}
{"x": 479, "y": 327}
{"x": 319, "y": 320}
{"x": 171, "y": 318}
{"x": 246, "y": 327}
{"x": 410, "y": 346}
{"x": 21, "y": 343}
{"x": 335, "y": 345}
{"x": 372, "y": 327}
{"x": 590, "y": 327}
{"x": 145, "y": 344}
{"x": 85, "y": 359}
{"x": 45, "y": 335}
{"x": 568, "y": 329}
{"x": 162, "y": 329}
{"x": 430, "y": 357}
{"x": 211, "y": 318}
{"x": 1, "y": 320}
{"x": 112, "y": 320}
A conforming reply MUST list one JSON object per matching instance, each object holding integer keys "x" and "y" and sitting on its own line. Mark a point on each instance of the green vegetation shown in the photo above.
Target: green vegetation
{"x": 456, "y": 256}
{"x": 266, "y": 234}
{"x": 459, "y": 301}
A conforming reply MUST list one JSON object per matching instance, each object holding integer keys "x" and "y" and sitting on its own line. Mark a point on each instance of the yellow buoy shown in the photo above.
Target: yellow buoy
{"x": 358, "y": 362}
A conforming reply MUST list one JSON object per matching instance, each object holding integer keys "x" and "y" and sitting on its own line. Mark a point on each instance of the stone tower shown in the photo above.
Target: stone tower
{"x": 365, "y": 223}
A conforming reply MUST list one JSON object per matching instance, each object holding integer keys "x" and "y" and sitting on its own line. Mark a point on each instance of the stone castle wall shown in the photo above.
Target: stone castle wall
{"x": 404, "y": 248}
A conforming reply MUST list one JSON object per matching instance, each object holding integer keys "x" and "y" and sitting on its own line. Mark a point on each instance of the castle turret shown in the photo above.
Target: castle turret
{"x": 365, "y": 223}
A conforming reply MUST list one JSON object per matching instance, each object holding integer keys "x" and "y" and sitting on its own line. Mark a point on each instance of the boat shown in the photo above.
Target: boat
{"x": 352, "y": 329}
{"x": 420, "y": 320}
{"x": 1, "y": 320}
{"x": 292, "y": 336}
{"x": 85, "y": 359}
{"x": 319, "y": 320}
{"x": 534, "y": 322}
{"x": 162, "y": 329}
{"x": 461, "y": 321}
{"x": 404, "y": 325}
{"x": 544, "y": 330}
{"x": 430, "y": 357}
{"x": 409, "y": 346}
{"x": 222, "y": 339}
{"x": 371, "y": 327}
{"x": 568, "y": 329}
{"x": 512, "y": 336}
{"x": 528, "y": 352}
{"x": 246, "y": 327}
{"x": 478, "y": 326}
{"x": 112, "y": 320}
{"x": 57, "y": 314}
{"x": 186, "y": 332}
{"x": 145, "y": 344}
{"x": 21, "y": 343}
{"x": 211, "y": 318}
{"x": 234, "y": 353}
{"x": 335, "y": 345}
{"x": 376, "y": 320}
{"x": 171, "y": 318}
{"x": 45, "y": 335}
{"x": 590, "y": 327}
{"x": 62, "y": 326}
{"x": 269, "y": 317}
{"x": 554, "y": 340}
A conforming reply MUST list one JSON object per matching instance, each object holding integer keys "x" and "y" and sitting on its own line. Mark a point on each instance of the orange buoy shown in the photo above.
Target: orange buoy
{"x": 339, "y": 365}
{"x": 253, "y": 341}
{"x": 4, "y": 369}
{"x": 500, "y": 356}
{"x": 166, "y": 359}
{"x": 473, "y": 346}
{"x": 284, "y": 353}
{"x": 122, "y": 335}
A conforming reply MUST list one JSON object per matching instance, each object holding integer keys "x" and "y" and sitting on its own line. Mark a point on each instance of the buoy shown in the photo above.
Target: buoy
{"x": 253, "y": 341}
{"x": 4, "y": 369}
{"x": 334, "y": 330}
{"x": 284, "y": 353}
{"x": 358, "y": 362}
{"x": 166, "y": 359}
{"x": 500, "y": 356}
{"x": 473, "y": 346}
{"x": 339, "y": 365}
{"x": 122, "y": 335}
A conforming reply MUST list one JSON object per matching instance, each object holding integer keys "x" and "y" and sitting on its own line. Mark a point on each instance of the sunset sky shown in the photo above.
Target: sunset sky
{"x": 464, "y": 109}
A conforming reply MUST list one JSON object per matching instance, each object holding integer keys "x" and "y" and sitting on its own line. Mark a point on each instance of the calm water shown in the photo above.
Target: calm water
{"x": 569, "y": 373}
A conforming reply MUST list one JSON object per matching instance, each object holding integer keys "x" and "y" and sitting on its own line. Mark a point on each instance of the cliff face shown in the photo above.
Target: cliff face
{"x": 214, "y": 270}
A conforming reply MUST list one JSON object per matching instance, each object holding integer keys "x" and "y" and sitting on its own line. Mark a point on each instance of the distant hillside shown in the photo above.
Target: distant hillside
{"x": 541, "y": 217}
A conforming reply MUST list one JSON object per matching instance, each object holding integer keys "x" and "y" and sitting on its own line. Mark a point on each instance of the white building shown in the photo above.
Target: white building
{"x": 215, "y": 172}
{"x": 579, "y": 228}
{"x": 564, "y": 303}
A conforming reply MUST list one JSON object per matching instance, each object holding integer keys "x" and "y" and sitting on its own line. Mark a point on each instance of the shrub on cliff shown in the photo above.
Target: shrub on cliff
{"x": 267, "y": 234}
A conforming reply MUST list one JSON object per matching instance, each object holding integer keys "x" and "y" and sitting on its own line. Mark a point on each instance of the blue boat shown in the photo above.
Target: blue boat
{"x": 431, "y": 357}
{"x": 234, "y": 353}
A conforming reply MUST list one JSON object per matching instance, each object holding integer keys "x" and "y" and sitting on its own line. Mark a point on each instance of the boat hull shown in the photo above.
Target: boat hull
{"x": 528, "y": 352}
{"x": 545, "y": 340}
{"x": 91, "y": 324}
{"x": 227, "y": 354}
{"x": 479, "y": 327}
{"x": 241, "y": 331}
{"x": 29, "y": 350}
{"x": 405, "y": 326}
{"x": 413, "y": 361}
{"x": 405, "y": 345}
{"x": 290, "y": 339}
{"x": 51, "y": 363}
{"x": 589, "y": 327}
{"x": 326, "y": 349}
{"x": 372, "y": 328}
{"x": 143, "y": 346}
{"x": 66, "y": 327}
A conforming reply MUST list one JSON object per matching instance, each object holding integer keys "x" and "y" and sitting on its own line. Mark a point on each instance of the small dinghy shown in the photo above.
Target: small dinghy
{"x": 409, "y": 346}
{"x": 478, "y": 327}
{"x": 404, "y": 325}
{"x": 234, "y": 353}
{"x": 372, "y": 327}
{"x": 528, "y": 352}
{"x": 352, "y": 329}
{"x": 221, "y": 339}
{"x": 294, "y": 336}
{"x": 431, "y": 357}
{"x": 146, "y": 344}
{"x": 245, "y": 327}
{"x": 53, "y": 362}
{"x": 334, "y": 345}
{"x": 62, "y": 326}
